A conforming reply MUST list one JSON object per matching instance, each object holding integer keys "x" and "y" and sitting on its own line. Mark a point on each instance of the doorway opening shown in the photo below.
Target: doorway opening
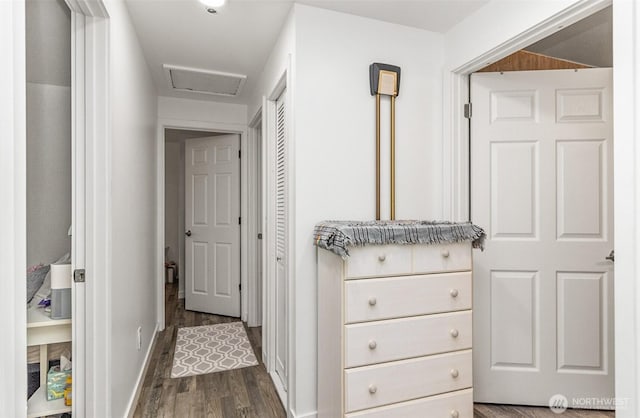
{"x": 533, "y": 131}
{"x": 50, "y": 201}
{"x": 278, "y": 229}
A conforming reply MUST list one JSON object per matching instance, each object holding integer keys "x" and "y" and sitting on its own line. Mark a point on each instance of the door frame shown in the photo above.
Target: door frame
{"x": 13, "y": 240}
{"x": 91, "y": 217}
{"x": 626, "y": 40}
{"x": 254, "y": 245}
{"x": 167, "y": 123}
{"x": 456, "y": 155}
{"x": 269, "y": 112}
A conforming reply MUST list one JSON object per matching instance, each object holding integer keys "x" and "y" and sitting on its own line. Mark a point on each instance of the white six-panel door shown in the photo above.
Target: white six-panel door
{"x": 212, "y": 221}
{"x": 542, "y": 187}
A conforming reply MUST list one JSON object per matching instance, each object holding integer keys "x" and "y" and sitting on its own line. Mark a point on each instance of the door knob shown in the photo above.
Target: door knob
{"x": 611, "y": 256}
{"x": 188, "y": 233}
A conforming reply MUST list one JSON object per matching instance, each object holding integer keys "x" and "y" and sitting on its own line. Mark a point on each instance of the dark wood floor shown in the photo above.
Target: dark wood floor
{"x": 246, "y": 392}
{"x": 513, "y": 411}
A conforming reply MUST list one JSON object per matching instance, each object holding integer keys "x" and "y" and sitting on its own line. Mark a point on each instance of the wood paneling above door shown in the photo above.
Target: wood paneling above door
{"x": 530, "y": 61}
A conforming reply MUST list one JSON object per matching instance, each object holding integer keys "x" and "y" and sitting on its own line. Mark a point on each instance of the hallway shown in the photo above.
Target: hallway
{"x": 246, "y": 392}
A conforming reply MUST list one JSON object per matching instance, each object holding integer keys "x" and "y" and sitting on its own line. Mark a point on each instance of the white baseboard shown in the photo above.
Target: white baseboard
{"x": 282, "y": 393}
{"x": 133, "y": 402}
{"x": 180, "y": 294}
{"x": 313, "y": 414}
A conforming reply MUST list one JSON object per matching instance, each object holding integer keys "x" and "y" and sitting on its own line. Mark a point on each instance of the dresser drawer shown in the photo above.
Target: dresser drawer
{"x": 440, "y": 258}
{"x": 397, "y": 297}
{"x": 379, "y": 260}
{"x": 454, "y": 404}
{"x": 397, "y": 339}
{"x": 387, "y": 383}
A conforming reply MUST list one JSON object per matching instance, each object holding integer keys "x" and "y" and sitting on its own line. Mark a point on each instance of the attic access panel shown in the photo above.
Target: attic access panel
{"x": 204, "y": 81}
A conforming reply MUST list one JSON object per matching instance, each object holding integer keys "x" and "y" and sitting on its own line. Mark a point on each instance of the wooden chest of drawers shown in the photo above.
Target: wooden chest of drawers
{"x": 394, "y": 332}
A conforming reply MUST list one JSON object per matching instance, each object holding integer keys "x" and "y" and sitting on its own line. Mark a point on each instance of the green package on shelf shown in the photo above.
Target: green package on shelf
{"x": 56, "y": 382}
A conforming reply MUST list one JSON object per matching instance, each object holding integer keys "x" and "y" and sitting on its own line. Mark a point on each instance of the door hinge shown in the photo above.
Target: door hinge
{"x": 260, "y": 235}
{"x": 240, "y": 221}
{"x": 467, "y": 110}
{"x": 239, "y": 153}
{"x": 79, "y": 276}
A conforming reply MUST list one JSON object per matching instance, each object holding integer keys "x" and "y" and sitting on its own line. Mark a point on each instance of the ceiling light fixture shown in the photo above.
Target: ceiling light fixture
{"x": 213, "y": 3}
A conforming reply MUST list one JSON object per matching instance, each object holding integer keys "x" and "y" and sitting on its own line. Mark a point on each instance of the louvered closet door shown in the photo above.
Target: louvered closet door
{"x": 282, "y": 313}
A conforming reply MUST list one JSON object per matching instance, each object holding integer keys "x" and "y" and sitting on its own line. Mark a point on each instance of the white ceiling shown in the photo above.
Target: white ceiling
{"x": 431, "y": 15}
{"x": 239, "y": 38}
{"x": 180, "y": 32}
{"x": 588, "y": 41}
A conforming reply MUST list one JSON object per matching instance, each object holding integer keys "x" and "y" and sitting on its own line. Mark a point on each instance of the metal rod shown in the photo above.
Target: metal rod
{"x": 377, "y": 157}
{"x": 393, "y": 157}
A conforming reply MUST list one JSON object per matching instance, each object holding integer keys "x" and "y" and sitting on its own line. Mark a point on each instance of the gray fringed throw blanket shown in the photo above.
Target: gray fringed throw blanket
{"x": 337, "y": 236}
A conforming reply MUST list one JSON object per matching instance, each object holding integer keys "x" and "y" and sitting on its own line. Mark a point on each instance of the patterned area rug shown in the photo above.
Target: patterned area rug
{"x": 212, "y": 348}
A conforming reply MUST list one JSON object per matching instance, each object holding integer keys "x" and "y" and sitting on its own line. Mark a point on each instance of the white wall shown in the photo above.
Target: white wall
{"x": 335, "y": 143}
{"x": 48, "y": 39}
{"x": 48, "y": 172}
{"x": 174, "y": 109}
{"x": 172, "y": 199}
{"x": 48, "y": 60}
{"x": 132, "y": 301}
{"x": 277, "y": 63}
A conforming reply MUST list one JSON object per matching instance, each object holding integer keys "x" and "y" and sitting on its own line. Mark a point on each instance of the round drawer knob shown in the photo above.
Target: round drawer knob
{"x": 445, "y": 253}
{"x": 454, "y": 373}
{"x": 373, "y": 344}
{"x": 454, "y": 333}
{"x": 453, "y": 293}
{"x": 382, "y": 257}
{"x": 454, "y": 413}
{"x": 372, "y": 301}
{"x": 373, "y": 389}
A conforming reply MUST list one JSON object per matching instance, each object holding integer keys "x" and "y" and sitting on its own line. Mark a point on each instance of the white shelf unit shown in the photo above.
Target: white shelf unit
{"x": 41, "y": 331}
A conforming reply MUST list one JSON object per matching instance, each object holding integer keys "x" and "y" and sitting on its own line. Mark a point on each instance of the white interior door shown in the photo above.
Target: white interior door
{"x": 281, "y": 303}
{"x": 542, "y": 186}
{"x": 212, "y": 220}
